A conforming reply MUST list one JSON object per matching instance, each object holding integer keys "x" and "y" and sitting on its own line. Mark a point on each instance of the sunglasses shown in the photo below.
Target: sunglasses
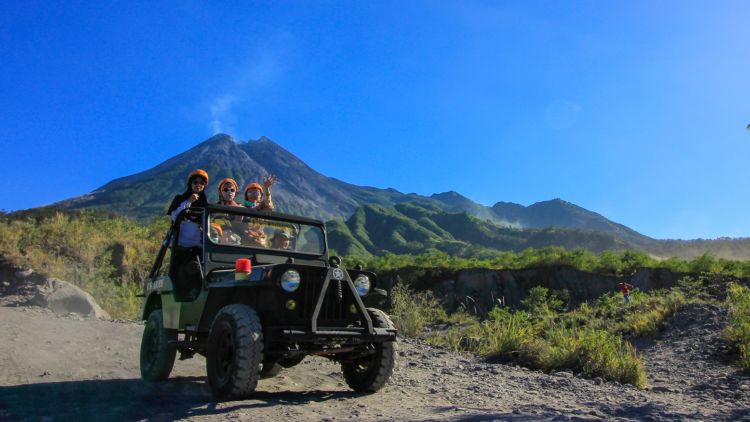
{"x": 199, "y": 182}
{"x": 228, "y": 190}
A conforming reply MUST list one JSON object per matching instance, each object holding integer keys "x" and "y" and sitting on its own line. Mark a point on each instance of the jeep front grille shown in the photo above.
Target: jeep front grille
{"x": 335, "y": 311}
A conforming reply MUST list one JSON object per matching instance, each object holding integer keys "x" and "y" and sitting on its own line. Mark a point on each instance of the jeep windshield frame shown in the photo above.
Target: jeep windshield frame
{"x": 221, "y": 254}
{"x": 264, "y": 231}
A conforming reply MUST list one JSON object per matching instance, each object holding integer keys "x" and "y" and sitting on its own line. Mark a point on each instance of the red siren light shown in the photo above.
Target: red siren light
{"x": 242, "y": 269}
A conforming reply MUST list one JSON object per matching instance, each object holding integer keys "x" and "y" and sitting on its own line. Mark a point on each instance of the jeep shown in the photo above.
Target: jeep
{"x": 260, "y": 294}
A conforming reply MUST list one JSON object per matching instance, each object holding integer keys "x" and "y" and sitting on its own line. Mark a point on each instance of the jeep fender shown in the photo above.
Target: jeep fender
{"x": 153, "y": 302}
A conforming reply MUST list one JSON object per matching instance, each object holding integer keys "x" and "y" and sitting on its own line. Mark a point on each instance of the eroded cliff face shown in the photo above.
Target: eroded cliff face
{"x": 480, "y": 289}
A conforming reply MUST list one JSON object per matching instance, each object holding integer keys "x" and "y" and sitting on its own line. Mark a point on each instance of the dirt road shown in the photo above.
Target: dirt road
{"x": 70, "y": 368}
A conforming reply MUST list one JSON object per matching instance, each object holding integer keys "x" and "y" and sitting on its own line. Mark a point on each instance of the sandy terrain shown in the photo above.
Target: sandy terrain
{"x": 72, "y": 368}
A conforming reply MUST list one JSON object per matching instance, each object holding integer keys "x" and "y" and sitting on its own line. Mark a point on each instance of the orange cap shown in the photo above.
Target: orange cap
{"x": 198, "y": 172}
{"x": 252, "y": 186}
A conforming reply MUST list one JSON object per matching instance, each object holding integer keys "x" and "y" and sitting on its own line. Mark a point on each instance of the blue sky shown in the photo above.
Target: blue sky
{"x": 633, "y": 109}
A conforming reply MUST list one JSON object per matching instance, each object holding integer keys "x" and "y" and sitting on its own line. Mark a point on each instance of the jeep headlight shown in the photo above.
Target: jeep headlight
{"x": 362, "y": 284}
{"x": 290, "y": 280}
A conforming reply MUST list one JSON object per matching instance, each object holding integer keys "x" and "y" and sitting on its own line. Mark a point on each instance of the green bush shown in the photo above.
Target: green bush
{"x": 646, "y": 314}
{"x": 587, "y": 340}
{"x": 695, "y": 288}
{"x": 541, "y": 304}
{"x": 594, "y": 353}
{"x": 411, "y": 311}
{"x": 607, "y": 262}
{"x": 513, "y": 336}
{"x": 77, "y": 246}
{"x": 508, "y": 337}
{"x": 738, "y": 330}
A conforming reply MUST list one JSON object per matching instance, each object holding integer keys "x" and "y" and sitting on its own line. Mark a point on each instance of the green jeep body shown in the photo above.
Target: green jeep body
{"x": 209, "y": 311}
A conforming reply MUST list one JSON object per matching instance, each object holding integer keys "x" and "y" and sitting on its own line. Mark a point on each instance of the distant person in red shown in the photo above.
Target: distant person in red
{"x": 254, "y": 195}
{"x": 625, "y": 288}
{"x": 227, "y": 192}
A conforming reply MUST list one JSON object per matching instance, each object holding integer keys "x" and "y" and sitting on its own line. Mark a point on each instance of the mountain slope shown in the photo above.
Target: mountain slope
{"x": 302, "y": 190}
{"x": 561, "y": 213}
{"x": 414, "y": 228}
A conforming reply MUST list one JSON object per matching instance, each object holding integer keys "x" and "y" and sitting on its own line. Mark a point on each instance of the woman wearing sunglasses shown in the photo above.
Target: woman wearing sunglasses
{"x": 194, "y": 196}
{"x": 188, "y": 252}
{"x": 227, "y": 192}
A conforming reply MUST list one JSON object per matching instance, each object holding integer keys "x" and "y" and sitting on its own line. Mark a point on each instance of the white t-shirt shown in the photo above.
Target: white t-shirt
{"x": 190, "y": 233}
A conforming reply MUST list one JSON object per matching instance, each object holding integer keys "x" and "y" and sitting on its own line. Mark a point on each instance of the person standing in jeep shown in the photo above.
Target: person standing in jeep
{"x": 254, "y": 195}
{"x": 189, "y": 240}
{"x": 227, "y": 192}
{"x": 194, "y": 196}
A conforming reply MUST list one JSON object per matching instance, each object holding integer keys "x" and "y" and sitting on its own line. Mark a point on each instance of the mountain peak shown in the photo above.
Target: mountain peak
{"x": 557, "y": 203}
{"x": 451, "y": 195}
{"x": 220, "y": 139}
{"x": 500, "y": 204}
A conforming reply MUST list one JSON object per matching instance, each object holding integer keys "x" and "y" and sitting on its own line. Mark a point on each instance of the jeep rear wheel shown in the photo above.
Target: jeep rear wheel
{"x": 157, "y": 355}
{"x": 234, "y": 352}
{"x": 370, "y": 373}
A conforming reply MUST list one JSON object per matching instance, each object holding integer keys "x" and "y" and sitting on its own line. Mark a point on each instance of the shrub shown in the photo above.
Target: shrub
{"x": 541, "y": 304}
{"x": 78, "y": 247}
{"x": 738, "y": 330}
{"x": 593, "y": 353}
{"x": 506, "y": 334}
{"x": 648, "y": 313}
{"x": 696, "y": 288}
{"x": 411, "y": 311}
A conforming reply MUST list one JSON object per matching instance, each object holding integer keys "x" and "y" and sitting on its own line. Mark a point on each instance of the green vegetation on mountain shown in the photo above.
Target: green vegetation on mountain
{"x": 417, "y": 228}
{"x": 412, "y": 228}
{"x": 410, "y": 223}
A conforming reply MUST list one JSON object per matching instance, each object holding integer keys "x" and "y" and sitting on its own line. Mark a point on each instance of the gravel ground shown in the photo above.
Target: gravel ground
{"x": 72, "y": 368}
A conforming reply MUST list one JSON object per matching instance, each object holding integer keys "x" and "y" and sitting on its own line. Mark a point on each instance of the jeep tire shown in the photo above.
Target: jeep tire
{"x": 370, "y": 373}
{"x": 157, "y": 354}
{"x": 234, "y": 352}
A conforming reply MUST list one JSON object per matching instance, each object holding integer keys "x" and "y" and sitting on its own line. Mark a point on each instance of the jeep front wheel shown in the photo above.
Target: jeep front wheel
{"x": 370, "y": 373}
{"x": 157, "y": 355}
{"x": 234, "y": 352}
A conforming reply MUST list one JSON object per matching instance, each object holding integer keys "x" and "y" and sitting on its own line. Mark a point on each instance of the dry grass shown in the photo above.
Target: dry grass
{"x": 78, "y": 247}
{"x": 738, "y": 330}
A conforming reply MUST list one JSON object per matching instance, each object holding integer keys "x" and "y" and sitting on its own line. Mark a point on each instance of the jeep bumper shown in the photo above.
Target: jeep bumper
{"x": 338, "y": 335}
